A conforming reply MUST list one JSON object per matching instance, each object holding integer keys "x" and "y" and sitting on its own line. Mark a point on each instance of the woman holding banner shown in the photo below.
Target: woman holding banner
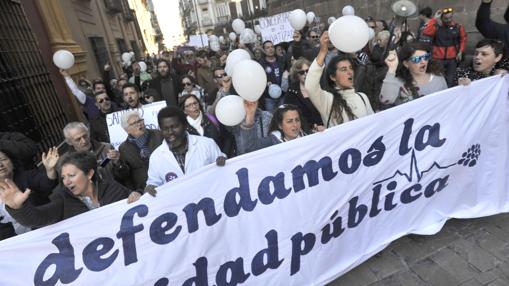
{"x": 83, "y": 190}
{"x": 286, "y": 125}
{"x": 340, "y": 102}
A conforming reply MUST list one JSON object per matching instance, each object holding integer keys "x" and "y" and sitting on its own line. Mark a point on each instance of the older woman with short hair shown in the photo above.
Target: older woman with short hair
{"x": 82, "y": 191}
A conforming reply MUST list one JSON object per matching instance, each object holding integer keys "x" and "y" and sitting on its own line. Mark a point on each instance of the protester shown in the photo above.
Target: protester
{"x": 489, "y": 28}
{"x": 135, "y": 151}
{"x": 340, "y": 102}
{"x": 411, "y": 74}
{"x": 205, "y": 124}
{"x": 77, "y": 136}
{"x": 225, "y": 87}
{"x": 425, "y": 15}
{"x": 449, "y": 41}
{"x": 42, "y": 182}
{"x": 131, "y": 96}
{"x": 488, "y": 53}
{"x": 138, "y": 77}
{"x": 20, "y": 146}
{"x": 262, "y": 120}
{"x": 299, "y": 96}
{"x": 166, "y": 85}
{"x": 204, "y": 75}
{"x": 180, "y": 153}
{"x": 274, "y": 67}
{"x": 286, "y": 125}
{"x": 189, "y": 86}
{"x": 82, "y": 191}
{"x": 98, "y": 125}
{"x": 298, "y": 47}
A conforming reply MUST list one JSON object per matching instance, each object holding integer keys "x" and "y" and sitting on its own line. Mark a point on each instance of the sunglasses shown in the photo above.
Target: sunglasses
{"x": 447, "y": 10}
{"x": 418, "y": 59}
{"x": 315, "y": 37}
{"x": 303, "y": 72}
{"x": 103, "y": 99}
{"x": 187, "y": 83}
{"x": 221, "y": 76}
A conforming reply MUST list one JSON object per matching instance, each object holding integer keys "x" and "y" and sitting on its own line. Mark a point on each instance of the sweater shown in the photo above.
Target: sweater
{"x": 394, "y": 91}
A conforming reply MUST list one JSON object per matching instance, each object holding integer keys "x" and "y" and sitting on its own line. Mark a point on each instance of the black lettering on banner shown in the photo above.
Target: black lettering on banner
{"x": 236, "y": 270}
{"x": 128, "y": 230}
{"x": 301, "y": 245}
{"x": 280, "y": 191}
{"x": 93, "y": 251}
{"x": 269, "y": 254}
{"x": 207, "y": 207}
{"x": 232, "y": 206}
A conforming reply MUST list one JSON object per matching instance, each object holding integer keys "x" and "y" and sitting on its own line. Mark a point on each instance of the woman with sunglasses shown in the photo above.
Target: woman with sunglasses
{"x": 286, "y": 125}
{"x": 340, "y": 102}
{"x": 299, "y": 96}
{"x": 205, "y": 124}
{"x": 189, "y": 86}
{"x": 411, "y": 74}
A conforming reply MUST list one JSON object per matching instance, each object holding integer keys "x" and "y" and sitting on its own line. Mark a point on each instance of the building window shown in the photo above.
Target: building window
{"x": 100, "y": 51}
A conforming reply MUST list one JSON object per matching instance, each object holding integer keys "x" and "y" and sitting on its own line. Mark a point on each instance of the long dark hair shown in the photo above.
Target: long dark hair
{"x": 339, "y": 104}
{"x": 277, "y": 118}
{"x": 402, "y": 72}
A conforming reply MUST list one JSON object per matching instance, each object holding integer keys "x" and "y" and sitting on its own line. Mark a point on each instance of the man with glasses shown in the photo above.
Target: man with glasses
{"x": 314, "y": 37}
{"x": 224, "y": 86}
{"x": 448, "y": 40}
{"x": 98, "y": 126}
{"x": 136, "y": 150}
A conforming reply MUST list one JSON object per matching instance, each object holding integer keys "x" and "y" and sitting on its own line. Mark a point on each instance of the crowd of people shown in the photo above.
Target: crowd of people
{"x": 321, "y": 87}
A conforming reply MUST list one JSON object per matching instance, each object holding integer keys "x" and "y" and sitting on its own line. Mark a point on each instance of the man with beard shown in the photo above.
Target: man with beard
{"x": 98, "y": 126}
{"x": 180, "y": 153}
{"x": 165, "y": 85}
{"x": 131, "y": 96}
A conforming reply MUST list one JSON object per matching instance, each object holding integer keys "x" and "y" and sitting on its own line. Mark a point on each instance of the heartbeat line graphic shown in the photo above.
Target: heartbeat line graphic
{"x": 414, "y": 170}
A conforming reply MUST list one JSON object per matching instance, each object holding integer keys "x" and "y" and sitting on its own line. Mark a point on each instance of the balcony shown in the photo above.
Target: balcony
{"x": 206, "y": 22}
{"x": 113, "y": 6}
{"x": 202, "y": 2}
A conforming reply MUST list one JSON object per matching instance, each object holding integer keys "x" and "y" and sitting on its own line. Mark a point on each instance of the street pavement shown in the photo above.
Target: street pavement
{"x": 465, "y": 252}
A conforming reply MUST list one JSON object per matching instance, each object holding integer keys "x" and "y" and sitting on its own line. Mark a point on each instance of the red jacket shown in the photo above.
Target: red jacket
{"x": 447, "y": 40}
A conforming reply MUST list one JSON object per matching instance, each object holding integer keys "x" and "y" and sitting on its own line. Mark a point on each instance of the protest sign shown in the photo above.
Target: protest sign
{"x": 198, "y": 41}
{"x": 148, "y": 112}
{"x": 276, "y": 28}
{"x": 298, "y": 213}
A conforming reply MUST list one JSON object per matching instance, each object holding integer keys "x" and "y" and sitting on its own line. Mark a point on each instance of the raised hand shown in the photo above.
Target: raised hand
{"x": 49, "y": 160}
{"x": 392, "y": 61}
{"x": 11, "y": 195}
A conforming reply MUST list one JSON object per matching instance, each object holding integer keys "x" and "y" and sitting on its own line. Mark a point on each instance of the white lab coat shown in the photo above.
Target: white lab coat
{"x": 163, "y": 167}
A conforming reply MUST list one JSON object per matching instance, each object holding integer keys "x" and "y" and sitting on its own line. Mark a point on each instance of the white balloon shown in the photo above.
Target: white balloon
{"x": 230, "y": 110}
{"x": 238, "y": 25}
{"x": 248, "y": 36}
{"x": 297, "y": 19}
{"x": 233, "y": 58}
{"x": 310, "y": 16}
{"x": 131, "y": 54}
{"x": 126, "y": 57}
{"x": 213, "y": 38}
{"x": 249, "y": 79}
{"x": 221, "y": 39}
{"x": 143, "y": 66}
{"x": 349, "y": 33}
{"x": 232, "y": 36}
{"x": 371, "y": 33}
{"x": 215, "y": 46}
{"x": 348, "y": 10}
{"x": 258, "y": 29}
{"x": 63, "y": 59}
{"x": 275, "y": 91}
{"x": 331, "y": 20}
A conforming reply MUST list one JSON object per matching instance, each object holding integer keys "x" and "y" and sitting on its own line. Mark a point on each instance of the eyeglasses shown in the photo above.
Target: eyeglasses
{"x": 141, "y": 120}
{"x": 103, "y": 99}
{"x": 303, "y": 72}
{"x": 418, "y": 59}
{"x": 315, "y": 37}
{"x": 187, "y": 83}
{"x": 191, "y": 104}
{"x": 220, "y": 76}
{"x": 447, "y": 10}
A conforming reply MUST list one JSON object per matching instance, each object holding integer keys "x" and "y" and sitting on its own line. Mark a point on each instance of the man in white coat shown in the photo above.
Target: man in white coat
{"x": 180, "y": 153}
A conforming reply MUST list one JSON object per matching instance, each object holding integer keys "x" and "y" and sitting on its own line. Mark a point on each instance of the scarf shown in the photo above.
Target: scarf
{"x": 142, "y": 143}
{"x": 196, "y": 123}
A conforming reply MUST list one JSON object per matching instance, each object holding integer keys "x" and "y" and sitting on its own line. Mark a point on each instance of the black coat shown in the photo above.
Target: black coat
{"x": 154, "y": 88}
{"x": 307, "y": 109}
{"x": 217, "y": 132}
{"x": 491, "y": 29}
{"x": 132, "y": 169}
{"x": 63, "y": 204}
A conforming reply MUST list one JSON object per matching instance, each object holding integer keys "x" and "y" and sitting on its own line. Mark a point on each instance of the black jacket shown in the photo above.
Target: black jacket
{"x": 154, "y": 86}
{"x": 217, "y": 132}
{"x": 63, "y": 204}
{"x": 491, "y": 29}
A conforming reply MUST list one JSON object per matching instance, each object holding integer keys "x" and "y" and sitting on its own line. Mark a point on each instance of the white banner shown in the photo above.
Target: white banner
{"x": 299, "y": 213}
{"x": 148, "y": 112}
{"x": 198, "y": 41}
{"x": 276, "y": 28}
